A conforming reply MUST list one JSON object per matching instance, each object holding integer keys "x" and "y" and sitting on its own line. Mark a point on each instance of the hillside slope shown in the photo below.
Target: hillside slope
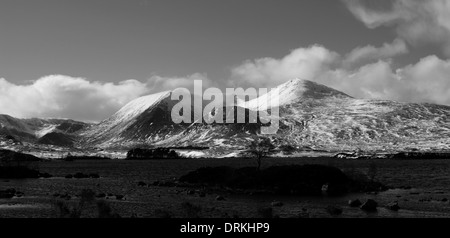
{"x": 311, "y": 116}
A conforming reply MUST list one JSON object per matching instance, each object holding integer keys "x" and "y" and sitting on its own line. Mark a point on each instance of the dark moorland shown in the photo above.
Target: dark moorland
{"x": 172, "y": 188}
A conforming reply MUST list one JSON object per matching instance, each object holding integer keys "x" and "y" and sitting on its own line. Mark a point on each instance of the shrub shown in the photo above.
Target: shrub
{"x": 157, "y": 153}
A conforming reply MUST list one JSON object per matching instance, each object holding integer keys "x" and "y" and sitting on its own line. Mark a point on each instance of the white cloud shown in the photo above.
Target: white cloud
{"x": 416, "y": 21}
{"x": 268, "y": 72}
{"x": 62, "y": 96}
{"x": 363, "y": 55}
{"x": 425, "y": 81}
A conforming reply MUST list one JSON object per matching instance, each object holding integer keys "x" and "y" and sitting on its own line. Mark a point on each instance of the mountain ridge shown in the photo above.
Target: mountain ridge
{"x": 311, "y": 116}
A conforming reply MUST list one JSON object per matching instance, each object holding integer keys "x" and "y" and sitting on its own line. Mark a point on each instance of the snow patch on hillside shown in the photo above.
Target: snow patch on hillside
{"x": 45, "y": 130}
{"x": 139, "y": 105}
{"x": 281, "y": 95}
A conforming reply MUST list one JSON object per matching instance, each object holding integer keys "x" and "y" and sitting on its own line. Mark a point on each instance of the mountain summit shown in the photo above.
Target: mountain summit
{"x": 290, "y": 92}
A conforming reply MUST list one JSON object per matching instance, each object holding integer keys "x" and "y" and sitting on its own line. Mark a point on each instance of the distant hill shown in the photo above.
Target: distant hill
{"x": 57, "y": 138}
{"x": 37, "y": 130}
{"x": 7, "y": 156}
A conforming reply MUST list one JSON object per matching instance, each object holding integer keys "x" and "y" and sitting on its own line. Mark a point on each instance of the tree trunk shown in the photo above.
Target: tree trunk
{"x": 258, "y": 160}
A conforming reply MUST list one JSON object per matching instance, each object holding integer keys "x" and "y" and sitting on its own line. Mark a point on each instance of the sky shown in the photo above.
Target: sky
{"x": 85, "y": 59}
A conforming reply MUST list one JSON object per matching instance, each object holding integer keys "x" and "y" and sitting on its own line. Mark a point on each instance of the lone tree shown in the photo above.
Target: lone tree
{"x": 260, "y": 148}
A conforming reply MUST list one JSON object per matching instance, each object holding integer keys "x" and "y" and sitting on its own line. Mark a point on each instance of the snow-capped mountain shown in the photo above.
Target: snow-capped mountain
{"x": 136, "y": 122}
{"x": 345, "y": 123}
{"x": 311, "y": 116}
{"x": 290, "y": 92}
{"x": 147, "y": 121}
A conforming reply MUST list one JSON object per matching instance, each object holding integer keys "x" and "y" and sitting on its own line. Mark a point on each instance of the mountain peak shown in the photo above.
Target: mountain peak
{"x": 290, "y": 92}
{"x": 317, "y": 91}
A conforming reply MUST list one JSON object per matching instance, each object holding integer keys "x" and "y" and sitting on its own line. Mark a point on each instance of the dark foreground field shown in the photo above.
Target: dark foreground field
{"x": 421, "y": 188}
